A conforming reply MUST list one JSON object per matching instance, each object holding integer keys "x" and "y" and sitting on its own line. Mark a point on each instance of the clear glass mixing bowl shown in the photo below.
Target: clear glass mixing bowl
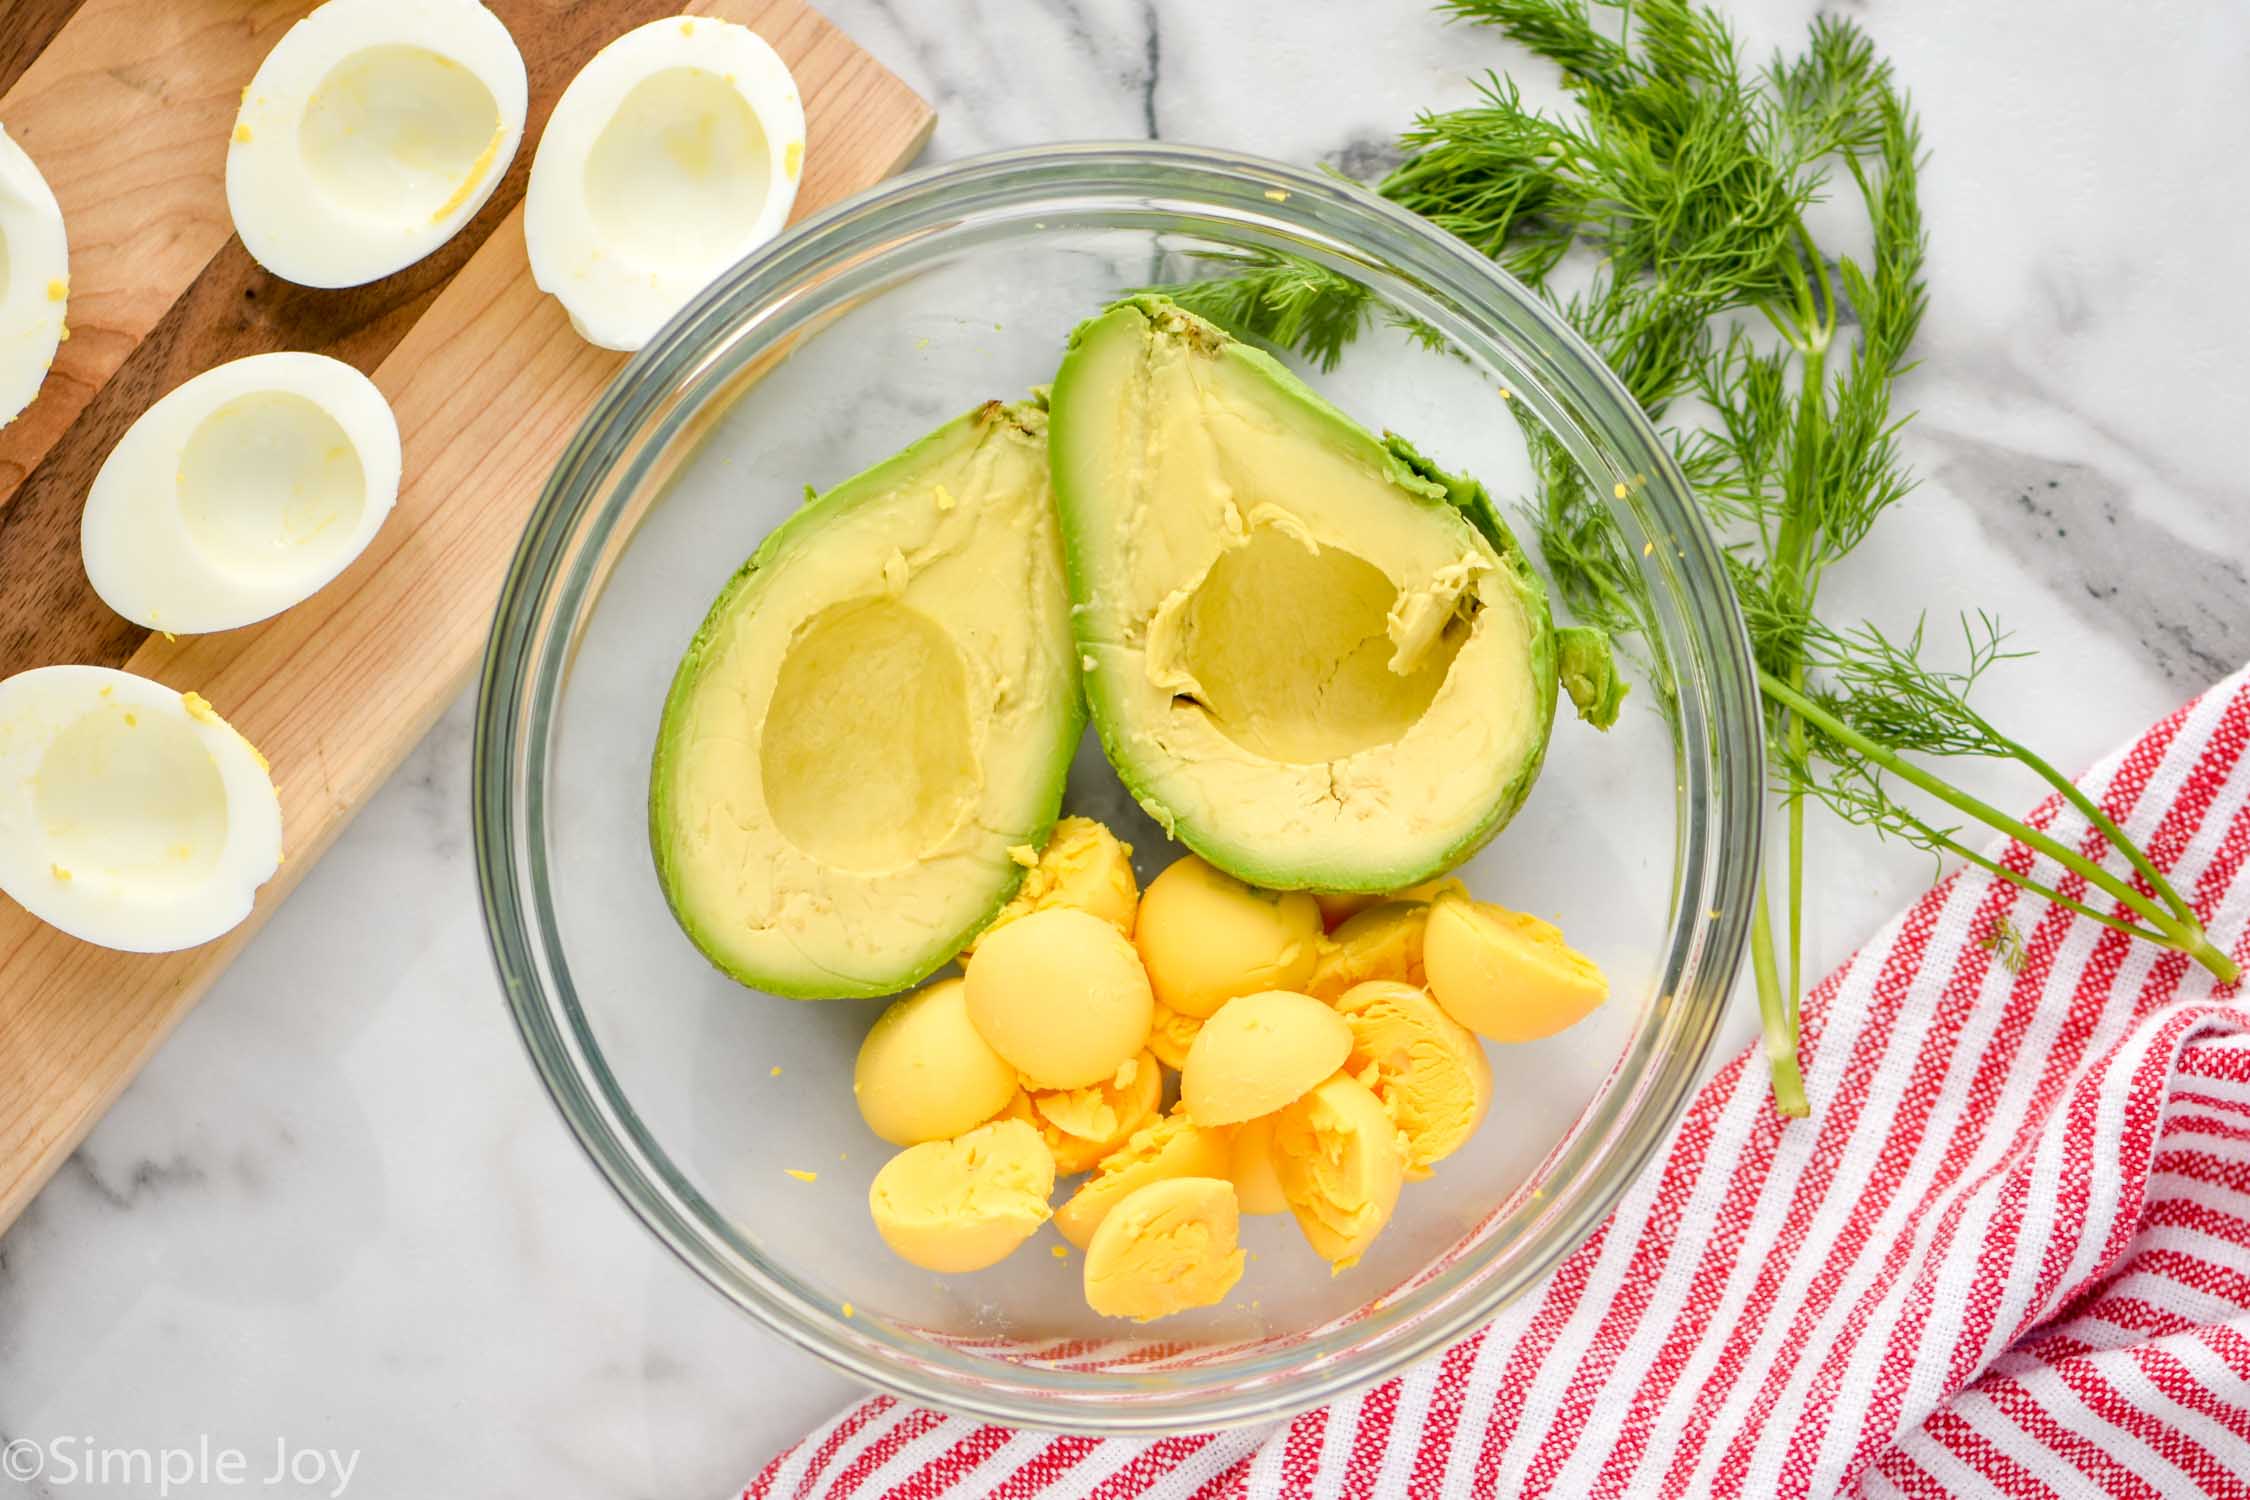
{"x": 831, "y": 349}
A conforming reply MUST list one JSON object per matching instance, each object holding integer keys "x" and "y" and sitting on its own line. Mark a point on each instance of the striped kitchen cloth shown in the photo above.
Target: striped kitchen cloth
{"x": 2008, "y": 1255}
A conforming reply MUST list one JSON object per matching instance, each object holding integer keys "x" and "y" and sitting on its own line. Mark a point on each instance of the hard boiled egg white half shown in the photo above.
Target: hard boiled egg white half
{"x": 674, "y": 153}
{"x": 131, "y": 816}
{"x": 240, "y": 492}
{"x": 372, "y": 132}
{"x": 34, "y": 279}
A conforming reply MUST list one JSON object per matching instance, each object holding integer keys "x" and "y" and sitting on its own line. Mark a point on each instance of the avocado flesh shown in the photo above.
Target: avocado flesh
{"x": 879, "y": 706}
{"x": 1314, "y": 657}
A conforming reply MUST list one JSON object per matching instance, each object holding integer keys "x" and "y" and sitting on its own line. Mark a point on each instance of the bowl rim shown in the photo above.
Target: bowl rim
{"x": 1717, "y": 751}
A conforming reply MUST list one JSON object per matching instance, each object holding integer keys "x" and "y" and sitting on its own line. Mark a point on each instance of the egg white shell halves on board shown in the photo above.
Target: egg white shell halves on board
{"x": 34, "y": 279}
{"x": 371, "y": 133}
{"x": 241, "y": 492}
{"x": 131, "y": 816}
{"x": 674, "y": 153}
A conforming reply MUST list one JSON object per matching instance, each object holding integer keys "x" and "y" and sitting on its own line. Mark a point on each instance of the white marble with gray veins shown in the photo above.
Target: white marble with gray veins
{"x": 337, "y": 1210}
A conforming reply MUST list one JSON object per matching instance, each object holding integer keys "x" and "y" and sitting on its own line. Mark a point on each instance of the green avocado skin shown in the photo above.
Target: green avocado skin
{"x": 1415, "y": 477}
{"x": 1069, "y": 722}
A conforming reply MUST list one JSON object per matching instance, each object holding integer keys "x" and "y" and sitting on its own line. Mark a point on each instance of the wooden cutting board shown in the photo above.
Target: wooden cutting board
{"x": 126, "y": 106}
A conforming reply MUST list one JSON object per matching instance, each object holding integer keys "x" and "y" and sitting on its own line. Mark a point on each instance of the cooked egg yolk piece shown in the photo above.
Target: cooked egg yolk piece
{"x": 1339, "y": 907}
{"x": 1257, "y": 1188}
{"x": 1174, "y": 1146}
{"x": 1258, "y": 1053}
{"x": 1061, "y": 996}
{"x": 964, "y": 1204}
{"x": 1083, "y": 866}
{"x": 1341, "y": 1161}
{"x": 1170, "y": 1034}
{"x": 1083, "y": 1126}
{"x": 1505, "y": 975}
{"x": 1382, "y": 942}
{"x": 923, "y": 1073}
{"x": 1207, "y": 938}
{"x": 1165, "y": 1248}
{"x": 1429, "y": 1070}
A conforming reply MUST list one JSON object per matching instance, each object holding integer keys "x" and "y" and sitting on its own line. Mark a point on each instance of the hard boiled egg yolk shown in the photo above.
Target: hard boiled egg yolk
{"x": 1170, "y": 1034}
{"x": 1061, "y": 996}
{"x": 1083, "y": 866}
{"x": 1341, "y": 1161}
{"x": 1383, "y": 942}
{"x": 1207, "y": 938}
{"x": 1506, "y": 975}
{"x": 1339, "y": 907}
{"x": 1257, "y": 1189}
{"x": 1083, "y": 1126}
{"x": 1258, "y": 1053}
{"x": 924, "y": 1074}
{"x": 1174, "y": 1146}
{"x": 1167, "y": 1247}
{"x": 964, "y": 1204}
{"x": 1429, "y": 1070}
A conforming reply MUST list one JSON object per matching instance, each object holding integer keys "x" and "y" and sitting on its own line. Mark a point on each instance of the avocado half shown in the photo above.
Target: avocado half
{"x": 878, "y": 709}
{"x": 1314, "y": 657}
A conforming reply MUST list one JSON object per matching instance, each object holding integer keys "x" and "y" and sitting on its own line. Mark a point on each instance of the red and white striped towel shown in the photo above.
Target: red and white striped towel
{"x": 2009, "y": 1254}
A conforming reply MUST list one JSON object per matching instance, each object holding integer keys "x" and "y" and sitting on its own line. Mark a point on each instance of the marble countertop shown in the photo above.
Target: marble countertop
{"x": 337, "y": 1211}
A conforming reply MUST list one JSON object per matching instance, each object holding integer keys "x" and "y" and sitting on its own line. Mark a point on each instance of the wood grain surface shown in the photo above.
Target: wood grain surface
{"x": 484, "y": 373}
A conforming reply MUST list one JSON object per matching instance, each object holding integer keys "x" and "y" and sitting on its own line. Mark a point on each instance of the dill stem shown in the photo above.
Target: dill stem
{"x": 2092, "y": 812}
{"x": 1799, "y": 569}
{"x": 2186, "y": 936}
{"x": 1775, "y": 1018}
{"x": 1796, "y": 859}
{"x": 2026, "y": 883}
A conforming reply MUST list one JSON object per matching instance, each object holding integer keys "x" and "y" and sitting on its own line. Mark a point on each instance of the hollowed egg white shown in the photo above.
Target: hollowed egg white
{"x": 131, "y": 816}
{"x": 34, "y": 279}
{"x": 371, "y": 133}
{"x": 240, "y": 493}
{"x": 674, "y": 153}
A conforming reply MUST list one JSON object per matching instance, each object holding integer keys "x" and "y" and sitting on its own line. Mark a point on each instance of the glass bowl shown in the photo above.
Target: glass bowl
{"x": 695, "y": 1098}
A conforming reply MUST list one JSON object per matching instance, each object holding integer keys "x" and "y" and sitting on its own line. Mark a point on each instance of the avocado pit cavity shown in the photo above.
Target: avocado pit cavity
{"x": 1287, "y": 646}
{"x": 867, "y": 759}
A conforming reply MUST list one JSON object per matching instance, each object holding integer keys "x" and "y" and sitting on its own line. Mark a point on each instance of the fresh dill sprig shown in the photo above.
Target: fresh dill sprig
{"x": 1686, "y": 176}
{"x": 1284, "y": 300}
